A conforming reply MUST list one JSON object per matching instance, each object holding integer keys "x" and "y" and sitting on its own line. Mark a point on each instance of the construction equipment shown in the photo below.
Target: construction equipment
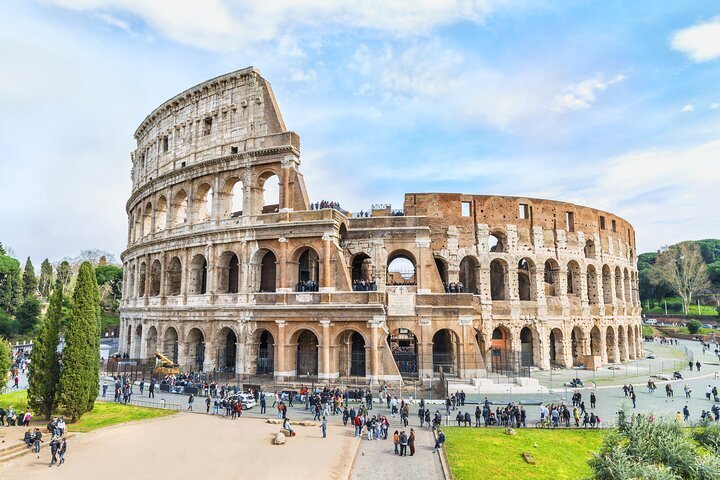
{"x": 164, "y": 366}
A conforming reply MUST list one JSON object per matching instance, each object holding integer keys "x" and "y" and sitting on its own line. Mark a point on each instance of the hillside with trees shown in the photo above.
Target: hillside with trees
{"x": 680, "y": 276}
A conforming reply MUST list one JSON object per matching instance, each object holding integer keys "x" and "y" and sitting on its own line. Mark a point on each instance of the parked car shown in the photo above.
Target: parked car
{"x": 706, "y": 325}
{"x": 651, "y": 321}
{"x": 247, "y": 400}
{"x": 651, "y": 356}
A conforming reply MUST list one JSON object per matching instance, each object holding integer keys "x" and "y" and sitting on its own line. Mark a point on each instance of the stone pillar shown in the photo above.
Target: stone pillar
{"x": 603, "y": 346}
{"x": 375, "y": 324}
{"x": 185, "y": 275}
{"x": 425, "y": 362}
{"x": 210, "y": 360}
{"x": 283, "y": 284}
{"x": 286, "y": 204}
{"x": 327, "y": 282}
{"x": 148, "y": 269}
{"x": 280, "y": 370}
{"x": 325, "y": 370}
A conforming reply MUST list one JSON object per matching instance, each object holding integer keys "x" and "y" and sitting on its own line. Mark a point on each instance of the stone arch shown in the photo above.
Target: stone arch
{"x": 137, "y": 226}
{"x": 442, "y": 268}
{"x": 622, "y": 343}
{"x": 174, "y": 277}
{"x": 557, "y": 348}
{"x": 264, "y": 352}
{"x": 131, "y": 282}
{"x": 179, "y": 209}
{"x": 161, "y": 214}
{"x": 306, "y": 352}
{"x": 137, "y": 342}
{"x": 446, "y": 351}
{"x": 202, "y": 203}
{"x": 631, "y": 342}
{"x": 574, "y": 282}
{"x": 151, "y": 341}
{"x": 306, "y": 276}
{"x": 607, "y": 285}
{"x": 618, "y": 284}
{"x": 611, "y": 344}
{"x": 551, "y": 278}
{"x": 590, "y": 249}
{"x": 351, "y": 345}
{"x": 155, "y": 276}
{"x": 404, "y": 348}
{"x": 501, "y": 350}
{"x": 362, "y": 269}
{"x": 267, "y": 281}
{"x": 195, "y": 348}
{"x": 226, "y": 349}
{"x": 592, "y": 285}
{"x": 401, "y": 268}
{"x": 170, "y": 344}
{"x": 142, "y": 277}
{"x": 469, "y": 273}
{"x": 342, "y": 234}
{"x": 269, "y": 183}
{"x": 577, "y": 345}
{"x": 497, "y": 242}
{"x": 198, "y": 275}
{"x": 626, "y": 283}
{"x": 499, "y": 280}
{"x": 596, "y": 346}
{"x": 526, "y": 280}
{"x": 147, "y": 220}
{"x": 228, "y": 273}
{"x": 232, "y": 198}
{"x": 530, "y": 347}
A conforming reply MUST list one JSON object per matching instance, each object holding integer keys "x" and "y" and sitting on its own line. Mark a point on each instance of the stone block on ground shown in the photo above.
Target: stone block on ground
{"x": 274, "y": 421}
{"x": 279, "y": 439}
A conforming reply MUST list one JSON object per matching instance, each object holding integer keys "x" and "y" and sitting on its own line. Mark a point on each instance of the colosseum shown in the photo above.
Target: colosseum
{"x": 232, "y": 265}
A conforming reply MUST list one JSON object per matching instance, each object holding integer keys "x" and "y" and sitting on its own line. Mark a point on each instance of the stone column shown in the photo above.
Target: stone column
{"x": 148, "y": 269}
{"x": 325, "y": 372}
{"x": 280, "y": 370}
{"x": 603, "y": 346}
{"x": 327, "y": 282}
{"x": 210, "y": 360}
{"x": 374, "y": 350}
{"x": 282, "y": 267}
{"x": 285, "y": 194}
{"x": 185, "y": 275}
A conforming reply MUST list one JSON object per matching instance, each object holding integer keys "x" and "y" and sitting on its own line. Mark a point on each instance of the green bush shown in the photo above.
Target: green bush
{"x": 693, "y": 326}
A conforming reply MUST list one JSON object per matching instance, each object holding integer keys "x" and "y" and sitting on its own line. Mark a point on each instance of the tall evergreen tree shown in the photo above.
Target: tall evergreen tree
{"x": 10, "y": 284}
{"x": 30, "y": 281}
{"x": 46, "y": 279}
{"x": 45, "y": 362}
{"x": 5, "y": 362}
{"x": 79, "y": 378}
{"x": 64, "y": 274}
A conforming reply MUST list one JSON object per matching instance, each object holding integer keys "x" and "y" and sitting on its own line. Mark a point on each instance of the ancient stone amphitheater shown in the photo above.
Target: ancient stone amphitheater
{"x": 232, "y": 266}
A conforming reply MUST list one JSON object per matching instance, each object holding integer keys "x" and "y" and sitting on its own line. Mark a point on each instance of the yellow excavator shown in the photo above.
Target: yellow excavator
{"x": 164, "y": 366}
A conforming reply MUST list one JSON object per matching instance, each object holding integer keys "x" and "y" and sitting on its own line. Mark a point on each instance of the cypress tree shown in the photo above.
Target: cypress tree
{"x": 46, "y": 278}
{"x": 45, "y": 362}
{"x": 5, "y": 362}
{"x": 30, "y": 281}
{"x": 79, "y": 378}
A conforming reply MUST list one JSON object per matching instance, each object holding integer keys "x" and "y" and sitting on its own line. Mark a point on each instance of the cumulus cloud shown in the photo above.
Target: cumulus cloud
{"x": 700, "y": 42}
{"x": 299, "y": 75}
{"x": 714, "y": 106}
{"x": 687, "y": 108}
{"x": 224, "y": 25}
{"x": 581, "y": 96}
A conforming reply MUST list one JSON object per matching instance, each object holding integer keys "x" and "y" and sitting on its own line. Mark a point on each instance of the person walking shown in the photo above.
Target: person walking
{"x": 208, "y": 401}
{"x": 151, "y": 390}
{"x": 323, "y": 425}
{"x": 396, "y": 441}
{"x": 54, "y": 447}
{"x": 686, "y": 413}
{"x": 633, "y": 397}
{"x": 687, "y": 390}
{"x": 191, "y": 400}
{"x": 142, "y": 386}
{"x": 263, "y": 403}
{"x": 697, "y": 365}
{"x": 63, "y": 450}
{"x": 411, "y": 442}
{"x": 403, "y": 443}
{"x": 37, "y": 440}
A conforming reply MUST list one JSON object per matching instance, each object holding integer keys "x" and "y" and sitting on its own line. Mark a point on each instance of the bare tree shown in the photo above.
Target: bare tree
{"x": 682, "y": 268}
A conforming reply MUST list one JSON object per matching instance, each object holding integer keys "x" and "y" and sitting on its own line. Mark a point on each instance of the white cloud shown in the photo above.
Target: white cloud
{"x": 714, "y": 106}
{"x": 687, "y": 108}
{"x": 581, "y": 96}
{"x": 700, "y": 42}
{"x": 225, "y": 25}
{"x": 298, "y": 75}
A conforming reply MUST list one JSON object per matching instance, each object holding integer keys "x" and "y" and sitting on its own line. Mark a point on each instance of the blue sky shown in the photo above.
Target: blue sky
{"x": 614, "y": 104}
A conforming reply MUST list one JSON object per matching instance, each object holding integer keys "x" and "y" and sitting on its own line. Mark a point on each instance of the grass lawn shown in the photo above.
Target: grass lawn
{"x": 103, "y": 415}
{"x": 489, "y": 453}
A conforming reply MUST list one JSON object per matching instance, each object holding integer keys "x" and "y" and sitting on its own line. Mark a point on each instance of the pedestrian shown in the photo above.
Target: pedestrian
{"x": 54, "y": 447}
{"x": 151, "y": 390}
{"x": 63, "y": 450}
{"x": 37, "y": 440}
{"x": 191, "y": 400}
{"x": 396, "y": 441}
{"x": 263, "y": 403}
{"x": 403, "y": 443}
{"x": 690, "y": 363}
{"x": 411, "y": 442}
{"x": 687, "y": 390}
{"x": 142, "y": 386}
{"x": 697, "y": 365}
{"x": 633, "y": 397}
{"x": 323, "y": 425}
{"x": 208, "y": 401}
{"x": 686, "y": 413}
{"x": 593, "y": 399}
{"x": 104, "y": 389}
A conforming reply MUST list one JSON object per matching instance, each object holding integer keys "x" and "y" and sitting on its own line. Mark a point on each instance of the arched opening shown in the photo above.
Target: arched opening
{"x": 557, "y": 352}
{"x": 442, "y": 269}
{"x": 595, "y": 342}
{"x": 622, "y": 343}
{"x": 526, "y": 279}
{"x": 526, "y": 347}
{"x": 147, "y": 220}
{"x": 195, "y": 350}
{"x": 151, "y": 342}
{"x": 229, "y": 273}
{"x": 446, "y": 352}
{"x": 203, "y": 203}
{"x": 198, "y": 275}
{"x": 577, "y": 342}
{"x": 270, "y": 193}
{"x": 573, "y": 279}
{"x": 498, "y": 280}
{"x": 342, "y": 235}
{"x": 401, "y": 269}
{"x": 137, "y": 342}
{"x": 137, "y": 229}
{"x": 628, "y": 292}
{"x": 179, "y": 209}
{"x": 142, "y": 276}
{"x": 404, "y": 348}
{"x": 308, "y": 273}
{"x": 592, "y": 285}
{"x": 351, "y": 354}
{"x": 307, "y": 354}
{"x": 268, "y": 266}
{"x": 469, "y": 267}
{"x": 174, "y": 277}
{"x": 631, "y": 343}
{"x": 232, "y": 198}
{"x": 618, "y": 284}
{"x": 500, "y": 358}
{"x": 362, "y": 272}
{"x": 552, "y": 278}
{"x": 155, "y": 275}
{"x": 161, "y": 214}
{"x": 590, "y": 249}
{"x": 265, "y": 354}
{"x": 131, "y": 283}
{"x": 170, "y": 344}
{"x": 497, "y": 242}
{"x": 607, "y": 285}
{"x": 610, "y": 344}
{"x": 227, "y": 348}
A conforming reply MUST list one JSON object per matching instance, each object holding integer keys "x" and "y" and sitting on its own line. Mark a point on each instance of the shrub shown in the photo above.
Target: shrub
{"x": 693, "y": 326}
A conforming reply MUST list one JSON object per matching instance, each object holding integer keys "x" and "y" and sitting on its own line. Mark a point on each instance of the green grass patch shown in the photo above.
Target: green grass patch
{"x": 103, "y": 415}
{"x": 489, "y": 453}
{"x": 109, "y": 319}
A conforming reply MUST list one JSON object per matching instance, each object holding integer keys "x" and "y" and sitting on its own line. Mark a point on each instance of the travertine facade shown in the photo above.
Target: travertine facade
{"x": 222, "y": 234}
